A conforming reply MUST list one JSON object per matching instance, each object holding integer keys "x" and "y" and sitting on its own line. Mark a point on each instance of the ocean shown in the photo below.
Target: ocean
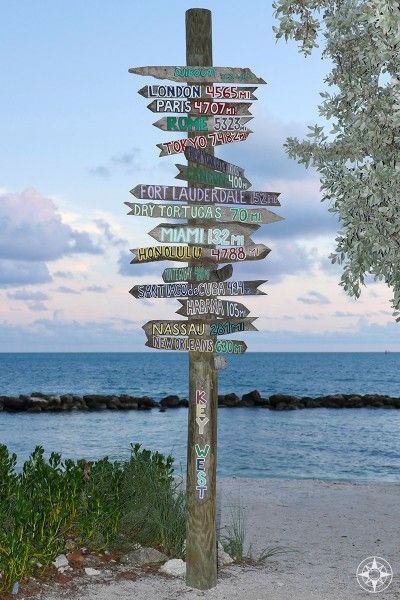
{"x": 351, "y": 444}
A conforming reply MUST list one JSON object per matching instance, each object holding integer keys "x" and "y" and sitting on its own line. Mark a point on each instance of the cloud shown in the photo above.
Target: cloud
{"x": 97, "y": 289}
{"x": 33, "y": 230}
{"x": 109, "y": 234}
{"x": 314, "y": 297}
{"x": 124, "y": 159}
{"x": 19, "y": 272}
{"x": 63, "y": 274}
{"x": 27, "y": 295}
{"x": 63, "y": 289}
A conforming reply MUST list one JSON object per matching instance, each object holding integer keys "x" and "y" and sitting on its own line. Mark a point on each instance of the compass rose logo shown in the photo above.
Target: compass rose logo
{"x": 374, "y": 574}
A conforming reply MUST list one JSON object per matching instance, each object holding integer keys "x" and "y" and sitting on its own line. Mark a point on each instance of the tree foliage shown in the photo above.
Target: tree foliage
{"x": 357, "y": 153}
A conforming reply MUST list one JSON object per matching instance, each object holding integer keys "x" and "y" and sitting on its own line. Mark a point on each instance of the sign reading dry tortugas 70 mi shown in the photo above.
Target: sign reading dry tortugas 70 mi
{"x": 219, "y": 216}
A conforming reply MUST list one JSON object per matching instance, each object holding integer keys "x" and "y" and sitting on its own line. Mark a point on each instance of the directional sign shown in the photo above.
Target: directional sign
{"x": 201, "y": 141}
{"x": 218, "y": 92}
{"x": 201, "y": 107}
{"x": 220, "y": 362}
{"x": 186, "y": 253}
{"x": 199, "y": 290}
{"x": 211, "y": 162}
{"x": 203, "y": 123}
{"x": 215, "y": 307}
{"x": 199, "y": 328}
{"x": 207, "y": 195}
{"x": 197, "y": 273}
{"x": 205, "y": 212}
{"x": 209, "y": 177}
{"x": 238, "y": 234}
{"x": 196, "y": 344}
{"x": 200, "y": 74}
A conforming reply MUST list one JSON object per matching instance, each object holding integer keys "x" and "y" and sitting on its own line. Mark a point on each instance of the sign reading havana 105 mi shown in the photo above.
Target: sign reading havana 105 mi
{"x": 220, "y": 214}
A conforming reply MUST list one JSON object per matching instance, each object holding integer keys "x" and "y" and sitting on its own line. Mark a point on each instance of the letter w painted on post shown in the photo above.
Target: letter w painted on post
{"x": 202, "y": 452}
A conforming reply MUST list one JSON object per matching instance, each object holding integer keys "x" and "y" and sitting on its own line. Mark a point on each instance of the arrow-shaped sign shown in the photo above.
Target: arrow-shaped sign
{"x": 207, "y": 195}
{"x": 210, "y": 161}
{"x": 199, "y": 328}
{"x": 198, "y": 290}
{"x": 196, "y": 344}
{"x": 201, "y": 141}
{"x": 201, "y": 107}
{"x": 200, "y": 74}
{"x": 203, "y": 123}
{"x": 235, "y": 234}
{"x": 197, "y": 274}
{"x": 196, "y": 92}
{"x": 205, "y": 176}
{"x": 228, "y": 309}
{"x": 206, "y": 212}
{"x": 187, "y": 253}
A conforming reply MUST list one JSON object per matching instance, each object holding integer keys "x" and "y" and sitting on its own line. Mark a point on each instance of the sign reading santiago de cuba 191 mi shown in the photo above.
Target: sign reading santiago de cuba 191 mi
{"x": 207, "y": 195}
{"x": 216, "y": 92}
{"x": 201, "y": 141}
{"x": 235, "y": 234}
{"x": 200, "y": 74}
{"x": 202, "y": 107}
{"x": 221, "y": 214}
{"x": 186, "y": 253}
{"x": 198, "y": 290}
{"x": 203, "y": 123}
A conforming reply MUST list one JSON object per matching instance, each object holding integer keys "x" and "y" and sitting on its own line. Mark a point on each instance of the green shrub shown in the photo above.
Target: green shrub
{"x": 98, "y": 504}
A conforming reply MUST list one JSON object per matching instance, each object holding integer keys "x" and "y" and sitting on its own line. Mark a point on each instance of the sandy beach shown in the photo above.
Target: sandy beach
{"x": 333, "y": 526}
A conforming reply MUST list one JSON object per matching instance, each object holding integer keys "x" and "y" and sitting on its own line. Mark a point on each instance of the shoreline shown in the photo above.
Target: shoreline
{"x": 331, "y": 526}
{"x": 38, "y": 402}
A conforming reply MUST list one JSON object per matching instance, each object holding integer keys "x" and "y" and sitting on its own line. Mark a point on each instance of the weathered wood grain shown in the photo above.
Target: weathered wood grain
{"x": 199, "y": 254}
{"x": 210, "y": 161}
{"x": 197, "y": 274}
{"x": 198, "y": 175}
{"x": 205, "y": 194}
{"x": 202, "y": 75}
{"x": 219, "y": 92}
{"x": 230, "y": 234}
{"x": 200, "y": 212}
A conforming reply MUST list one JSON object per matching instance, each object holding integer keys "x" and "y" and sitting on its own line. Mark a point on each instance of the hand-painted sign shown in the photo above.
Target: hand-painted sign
{"x": 209, "y": 177}
{"x": 198, "y": 290}
{"x": 212, "y": 307}
{"x": 196, "y": 344}
{"x": 211, "y": 162}
{"x": 196, "y": 91}
{"x": 207, "y": 195}
{"x": 199, "y": 328}
{"x": 200, "y": 74}
{"x": 197, "y": 273}
{"x": 206, "y": 212}
{"x": 201, "y": 107}
{"x": 201, "y": 141}
{"x": 186, "y": 253}
{"x": 203, "y": 123}
{"x": 237, "y": 234}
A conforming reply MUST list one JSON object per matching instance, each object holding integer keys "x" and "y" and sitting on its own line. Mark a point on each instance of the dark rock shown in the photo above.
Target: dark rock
{"x": 229, "y": 400}
{"x": 96, "y": 401}
{"x": 41, "y": 395}
{"x": 184, "y": 403}
{"x": 35, "y": 403}
{"x": 251, "y": 399}
{"x": 276, "y": 399}
{"x": 146, "y": 402}
{"x": 128, "y": 402}
{"x": 170, "y": 402}
{"x": 13, "y": 404}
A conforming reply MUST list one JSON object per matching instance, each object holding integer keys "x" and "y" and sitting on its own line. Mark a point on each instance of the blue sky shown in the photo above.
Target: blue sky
{"x": 77, "y": 137}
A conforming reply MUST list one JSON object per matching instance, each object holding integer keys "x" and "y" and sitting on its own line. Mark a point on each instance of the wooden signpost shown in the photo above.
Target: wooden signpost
{"x": 217, "y": 92}
{"x": 203, "y": 123}
{"x": 207, "y": 195}
{"x": 203, "y": 212}
{"x": 220, "y": 214}
{"x": 202, "y": 107}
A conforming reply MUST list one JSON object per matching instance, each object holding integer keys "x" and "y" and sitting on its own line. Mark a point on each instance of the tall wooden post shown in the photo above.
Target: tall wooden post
{"x": 201, "y": 542}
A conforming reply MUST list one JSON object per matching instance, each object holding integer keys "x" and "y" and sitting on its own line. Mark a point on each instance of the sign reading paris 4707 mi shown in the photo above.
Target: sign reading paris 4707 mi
{"x": 220, "y": 214}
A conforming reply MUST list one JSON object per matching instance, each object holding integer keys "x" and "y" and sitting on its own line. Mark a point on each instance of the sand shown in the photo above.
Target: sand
{"x": 332, "y": 525}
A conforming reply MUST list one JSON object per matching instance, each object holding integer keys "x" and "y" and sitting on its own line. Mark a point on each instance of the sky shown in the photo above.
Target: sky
{"x": 76, "y": 137}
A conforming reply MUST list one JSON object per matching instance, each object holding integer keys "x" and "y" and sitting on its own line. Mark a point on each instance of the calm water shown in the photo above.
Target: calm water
{"x": 322, "y": 443}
